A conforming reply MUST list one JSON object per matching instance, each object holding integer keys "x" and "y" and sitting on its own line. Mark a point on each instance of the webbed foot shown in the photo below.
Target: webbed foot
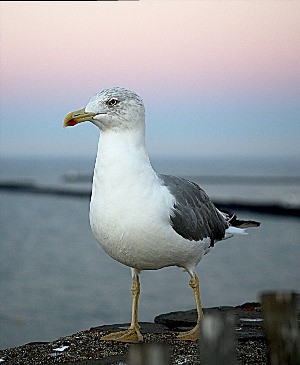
{"x": 132, "y": 335}
{"x": 192, "y": 335}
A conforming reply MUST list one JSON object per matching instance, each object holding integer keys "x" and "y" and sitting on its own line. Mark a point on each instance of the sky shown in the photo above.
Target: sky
{"x": 218, "y": 78}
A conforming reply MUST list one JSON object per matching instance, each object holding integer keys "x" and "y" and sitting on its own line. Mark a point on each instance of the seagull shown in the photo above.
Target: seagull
{"x": 143, "y": 219}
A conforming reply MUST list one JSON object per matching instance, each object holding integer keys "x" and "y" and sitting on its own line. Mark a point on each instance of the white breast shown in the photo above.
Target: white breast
{"x": 130, "y": 210}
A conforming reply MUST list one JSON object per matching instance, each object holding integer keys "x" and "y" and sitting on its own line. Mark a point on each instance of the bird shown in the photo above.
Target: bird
{"x": 141, "y": 218}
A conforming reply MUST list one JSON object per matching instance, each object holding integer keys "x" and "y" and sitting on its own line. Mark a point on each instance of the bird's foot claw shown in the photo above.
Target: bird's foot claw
{"x": 132, "y": 335}
{"x": 192, "y": 335}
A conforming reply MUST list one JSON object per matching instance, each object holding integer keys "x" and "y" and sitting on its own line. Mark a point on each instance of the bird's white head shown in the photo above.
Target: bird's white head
{"x": 112, "y": 109}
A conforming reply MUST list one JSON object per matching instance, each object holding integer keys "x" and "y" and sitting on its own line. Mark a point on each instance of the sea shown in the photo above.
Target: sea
{"x": 55, "y": 280}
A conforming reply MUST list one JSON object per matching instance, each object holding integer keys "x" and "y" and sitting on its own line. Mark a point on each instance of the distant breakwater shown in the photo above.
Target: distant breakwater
{"x": 29, "y": 186}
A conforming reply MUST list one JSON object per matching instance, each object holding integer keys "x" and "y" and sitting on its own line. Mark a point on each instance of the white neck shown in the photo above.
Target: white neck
{"x": 121, "y": 158}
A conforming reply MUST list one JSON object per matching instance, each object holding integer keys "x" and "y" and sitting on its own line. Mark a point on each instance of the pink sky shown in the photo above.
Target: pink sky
{"x": 214, "y": 43}
{"x": 67, "y": 51}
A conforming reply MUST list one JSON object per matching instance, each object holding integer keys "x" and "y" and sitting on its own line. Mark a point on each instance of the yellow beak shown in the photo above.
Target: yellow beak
{"x": 76, "y": 117}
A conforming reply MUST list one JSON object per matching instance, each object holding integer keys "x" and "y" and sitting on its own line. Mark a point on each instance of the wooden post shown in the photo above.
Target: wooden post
{"x": 217, "y": 340}
{"x": 281, "y": 328}
{"x": 149, "y": 354}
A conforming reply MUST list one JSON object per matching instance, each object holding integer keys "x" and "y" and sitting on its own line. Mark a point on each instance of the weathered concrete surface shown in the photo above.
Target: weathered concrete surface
{"x": 248, "y": 319}
{"x": 86, "y": 348}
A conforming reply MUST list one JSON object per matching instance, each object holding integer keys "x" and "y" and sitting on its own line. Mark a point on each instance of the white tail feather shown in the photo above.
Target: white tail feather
{"x": 232, "y": 231}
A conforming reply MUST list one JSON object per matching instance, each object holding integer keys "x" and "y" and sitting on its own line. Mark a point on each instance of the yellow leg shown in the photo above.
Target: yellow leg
{"x": 133, "y": 333}
{"x": 193, "y": 334}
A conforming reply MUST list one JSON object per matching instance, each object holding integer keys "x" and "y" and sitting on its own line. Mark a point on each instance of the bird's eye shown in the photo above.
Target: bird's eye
{"x": 112, "y": 102}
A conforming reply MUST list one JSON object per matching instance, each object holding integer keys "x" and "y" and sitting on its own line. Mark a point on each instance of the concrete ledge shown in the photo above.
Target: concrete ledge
{"x": 86, "y": 348}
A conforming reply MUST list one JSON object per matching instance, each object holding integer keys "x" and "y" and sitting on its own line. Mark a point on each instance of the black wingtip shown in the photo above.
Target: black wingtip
{"x": 245, "y": 224}
{"x": 231, "y": 218}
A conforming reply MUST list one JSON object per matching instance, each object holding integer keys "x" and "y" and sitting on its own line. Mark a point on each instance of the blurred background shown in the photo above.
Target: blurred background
{"x": 221, "y": 86}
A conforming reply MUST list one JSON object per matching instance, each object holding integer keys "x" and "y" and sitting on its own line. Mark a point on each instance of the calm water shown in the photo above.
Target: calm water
{"x": 55, "y": 280}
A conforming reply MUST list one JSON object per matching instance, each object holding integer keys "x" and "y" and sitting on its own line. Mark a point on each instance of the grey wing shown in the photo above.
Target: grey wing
{"x": 194, "y": 215}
